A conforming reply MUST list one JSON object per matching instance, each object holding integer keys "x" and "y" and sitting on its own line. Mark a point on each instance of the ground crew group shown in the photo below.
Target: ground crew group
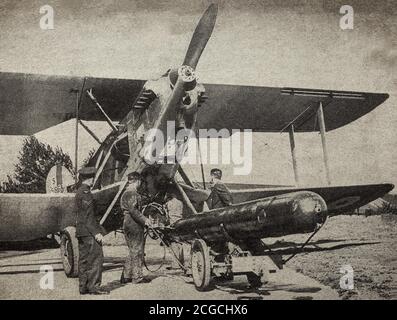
{"x": 90, "y": 233}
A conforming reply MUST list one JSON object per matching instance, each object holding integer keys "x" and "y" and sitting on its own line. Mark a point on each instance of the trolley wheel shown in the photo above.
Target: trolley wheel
{"x": 70, "y": 252}
{"x": 201, "y": 265}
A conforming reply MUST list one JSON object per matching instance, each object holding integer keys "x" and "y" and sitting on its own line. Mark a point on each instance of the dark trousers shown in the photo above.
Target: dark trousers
{"x": 90, "y": 264}
{"x": 133, "y": 233}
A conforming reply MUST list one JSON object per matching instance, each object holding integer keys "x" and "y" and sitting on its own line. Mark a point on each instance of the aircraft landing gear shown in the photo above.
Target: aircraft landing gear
{"x": 70, "y": 252}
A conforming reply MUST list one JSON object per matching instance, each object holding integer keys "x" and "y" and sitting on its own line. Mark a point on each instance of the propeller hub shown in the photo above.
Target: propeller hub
{"x": 187, "y": 74}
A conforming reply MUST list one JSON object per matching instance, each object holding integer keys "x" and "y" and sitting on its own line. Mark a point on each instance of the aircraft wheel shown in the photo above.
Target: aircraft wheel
{"x": 70, "y": 252}
{"x": 201, "y": 265}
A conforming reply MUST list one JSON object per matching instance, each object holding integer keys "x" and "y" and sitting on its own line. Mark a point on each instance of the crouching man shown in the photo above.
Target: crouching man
{"x": 133, "y": 226}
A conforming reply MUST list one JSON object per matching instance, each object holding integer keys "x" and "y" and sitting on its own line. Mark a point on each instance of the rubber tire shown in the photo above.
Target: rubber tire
{"x": 203, "y": 282}
{"x": 70, "y": 252}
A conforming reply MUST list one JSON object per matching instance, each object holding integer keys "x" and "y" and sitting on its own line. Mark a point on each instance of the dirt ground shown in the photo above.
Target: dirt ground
{"x": 21, "y": 278}
{"x": 367, "y": 244}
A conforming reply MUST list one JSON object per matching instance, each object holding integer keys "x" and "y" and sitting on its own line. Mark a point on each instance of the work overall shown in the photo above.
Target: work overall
{"x": 133, "y": 227}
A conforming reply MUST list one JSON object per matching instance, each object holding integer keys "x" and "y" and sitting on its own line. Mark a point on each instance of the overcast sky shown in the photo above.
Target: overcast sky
{"x": 268, "y": 43}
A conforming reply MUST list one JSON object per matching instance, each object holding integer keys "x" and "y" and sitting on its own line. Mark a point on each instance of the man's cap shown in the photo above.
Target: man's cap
{"x": 216, "y": 172}
{"x": 87, "y": 171}
{"x": 134, "y": 175}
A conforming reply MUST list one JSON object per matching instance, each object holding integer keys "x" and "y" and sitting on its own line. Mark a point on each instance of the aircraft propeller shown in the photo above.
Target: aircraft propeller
{"x": 200, "y": 37}
{"x": 197, "y": 44}
{"x": 184, "y": 78}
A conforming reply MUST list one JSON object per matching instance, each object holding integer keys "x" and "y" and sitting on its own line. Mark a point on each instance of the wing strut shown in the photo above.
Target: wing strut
{"x": 293, "y": 153}
{"x": 319, "y": 113}
{"x": 79, "y": 95}
{"x": 185, "y": 176}
{"x": 201, "y": 160}
{"x": 95, "y": 101}
{"x": 321, "y": 122}
{"x": 109, "y": 209}
{"x": 185, "y": 199}
{"x": 91, "y": 133}
{"x": 76, "y": 136}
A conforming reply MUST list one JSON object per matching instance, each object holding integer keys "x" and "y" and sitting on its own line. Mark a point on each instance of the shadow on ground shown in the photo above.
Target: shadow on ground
{"x": 284, "y": 248}
{"x": 29, "y": 245}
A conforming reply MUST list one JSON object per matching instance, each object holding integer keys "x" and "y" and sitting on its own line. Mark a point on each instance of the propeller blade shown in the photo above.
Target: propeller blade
{"x": 201, "y": 36}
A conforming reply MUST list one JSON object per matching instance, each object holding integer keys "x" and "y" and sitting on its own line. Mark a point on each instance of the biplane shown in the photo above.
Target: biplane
{"x": 31, "y": 103}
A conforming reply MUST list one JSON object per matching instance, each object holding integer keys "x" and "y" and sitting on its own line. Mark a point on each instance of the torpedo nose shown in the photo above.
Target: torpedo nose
{"x": 309, "y": 208}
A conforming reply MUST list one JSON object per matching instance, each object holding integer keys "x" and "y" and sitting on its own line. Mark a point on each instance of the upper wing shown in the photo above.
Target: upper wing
{"x": 268, "y": 109}
{"x": 30, "y": 103}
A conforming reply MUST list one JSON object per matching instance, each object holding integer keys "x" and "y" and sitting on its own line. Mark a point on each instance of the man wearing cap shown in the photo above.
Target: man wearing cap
{"x": 133, "y": 226}
{"x": 90, "y": 235}
{"x": 220, "y": 195}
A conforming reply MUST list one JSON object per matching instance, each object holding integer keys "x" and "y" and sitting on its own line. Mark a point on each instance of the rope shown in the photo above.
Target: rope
{"x": 144, "y": 255}
{"x": 165, "y": 245}
{"x": 176, "y": 277}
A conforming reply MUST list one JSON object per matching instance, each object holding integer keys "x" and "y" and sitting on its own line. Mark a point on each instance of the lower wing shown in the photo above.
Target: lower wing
{"x": 339, "y": 199}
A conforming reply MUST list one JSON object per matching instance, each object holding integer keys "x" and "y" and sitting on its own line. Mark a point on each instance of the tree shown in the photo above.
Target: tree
{"x": 35, "y": 161}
